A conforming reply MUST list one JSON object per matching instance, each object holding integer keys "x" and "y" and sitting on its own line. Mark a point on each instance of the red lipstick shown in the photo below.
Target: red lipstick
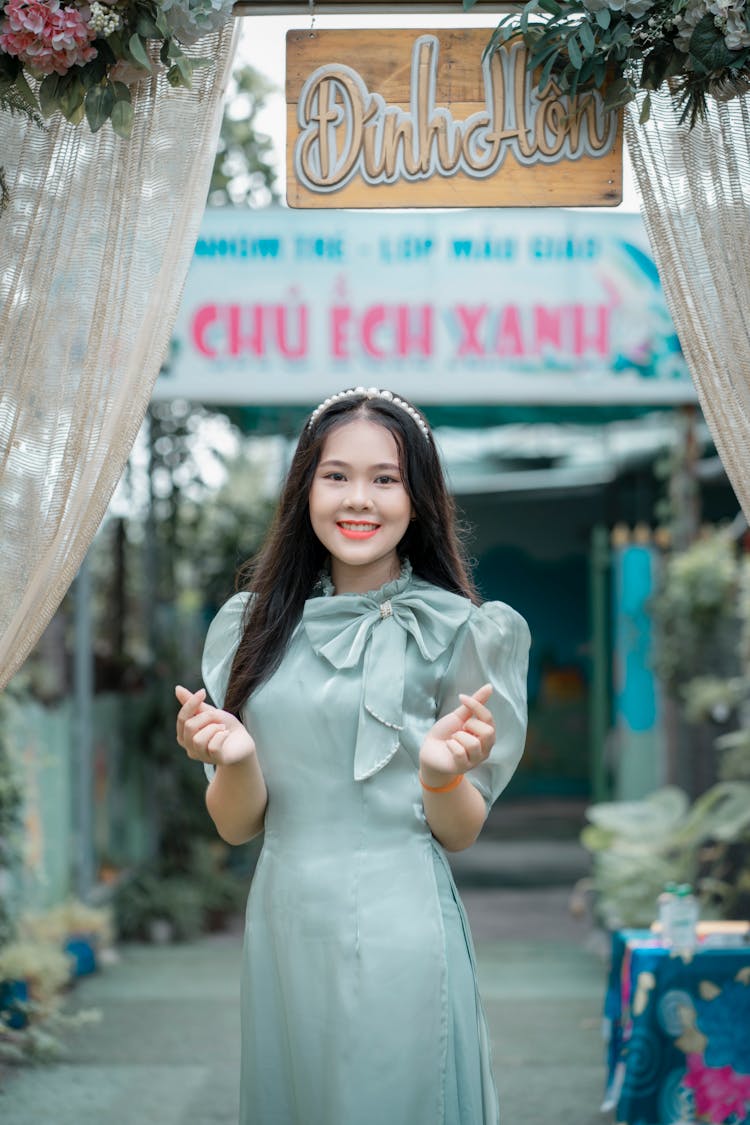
{"x": 365, "y": 532}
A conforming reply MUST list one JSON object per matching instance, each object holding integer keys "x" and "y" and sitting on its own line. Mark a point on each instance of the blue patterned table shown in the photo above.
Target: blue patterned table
{"x": 679, "y": 1047}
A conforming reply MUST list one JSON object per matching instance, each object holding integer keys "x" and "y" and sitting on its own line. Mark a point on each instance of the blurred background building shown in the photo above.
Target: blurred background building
{"x": 539, "y": 345}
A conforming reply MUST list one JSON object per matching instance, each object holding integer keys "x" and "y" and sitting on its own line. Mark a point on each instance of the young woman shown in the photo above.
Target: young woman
{"x": 368, "y": 712}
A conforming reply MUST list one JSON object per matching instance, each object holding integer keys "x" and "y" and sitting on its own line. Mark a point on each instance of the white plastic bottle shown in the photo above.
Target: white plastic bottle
{"x": 664, "y": 903}
{"x": 683, "y": 917}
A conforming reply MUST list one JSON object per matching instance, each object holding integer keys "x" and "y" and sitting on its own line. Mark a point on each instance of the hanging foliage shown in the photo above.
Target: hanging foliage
{"x": 700, "y": 48}
{"x": 83, "y": 59}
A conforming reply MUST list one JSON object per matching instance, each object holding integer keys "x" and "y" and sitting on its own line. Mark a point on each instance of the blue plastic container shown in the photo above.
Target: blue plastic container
{"x": 14, "y": 996}
{"x": 84, "y": 955}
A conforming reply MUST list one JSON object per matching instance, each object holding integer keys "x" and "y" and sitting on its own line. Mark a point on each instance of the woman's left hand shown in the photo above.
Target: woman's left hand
{"x": 460, "y": 741}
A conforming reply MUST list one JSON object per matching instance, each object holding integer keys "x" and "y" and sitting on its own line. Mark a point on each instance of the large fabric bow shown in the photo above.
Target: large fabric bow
{"x": 348, "y": 627}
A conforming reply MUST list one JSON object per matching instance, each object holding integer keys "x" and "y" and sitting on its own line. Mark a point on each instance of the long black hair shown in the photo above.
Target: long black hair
{"x": 283, "y": 574}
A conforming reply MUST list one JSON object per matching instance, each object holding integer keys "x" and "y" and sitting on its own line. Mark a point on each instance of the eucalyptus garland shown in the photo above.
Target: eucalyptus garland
{"x": 83, "y": 58}
{"x": 698, "y": 48}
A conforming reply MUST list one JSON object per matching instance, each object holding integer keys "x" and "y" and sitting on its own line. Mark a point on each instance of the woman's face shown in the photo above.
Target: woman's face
{"x": 359, "y": 507}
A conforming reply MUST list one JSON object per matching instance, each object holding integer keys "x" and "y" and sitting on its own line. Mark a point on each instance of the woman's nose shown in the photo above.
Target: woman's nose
{"x": 358, "y": 496}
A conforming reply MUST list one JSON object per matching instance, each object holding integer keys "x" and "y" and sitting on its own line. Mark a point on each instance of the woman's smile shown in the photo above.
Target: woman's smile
{"x": 357, "y": 529}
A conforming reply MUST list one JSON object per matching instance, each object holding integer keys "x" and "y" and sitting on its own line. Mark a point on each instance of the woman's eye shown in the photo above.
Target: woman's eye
{"x": 334, "y": 476}
{"x": 386, "y": 480}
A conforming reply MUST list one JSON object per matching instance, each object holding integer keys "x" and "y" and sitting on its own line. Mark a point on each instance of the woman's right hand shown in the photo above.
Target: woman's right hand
{"x": 208, "y": 734}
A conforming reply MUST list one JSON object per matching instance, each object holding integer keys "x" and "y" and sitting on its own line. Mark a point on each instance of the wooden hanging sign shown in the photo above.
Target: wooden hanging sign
{"x": 404, "y": 118}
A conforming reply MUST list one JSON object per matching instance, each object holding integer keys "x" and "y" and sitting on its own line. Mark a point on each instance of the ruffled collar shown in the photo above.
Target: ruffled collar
{"x": 372, "y": 629}
{"x": 324, "y": 587}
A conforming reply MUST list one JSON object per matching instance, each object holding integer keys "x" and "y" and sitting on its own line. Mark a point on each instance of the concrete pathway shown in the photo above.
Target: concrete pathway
{"x": 166, "y": 1051}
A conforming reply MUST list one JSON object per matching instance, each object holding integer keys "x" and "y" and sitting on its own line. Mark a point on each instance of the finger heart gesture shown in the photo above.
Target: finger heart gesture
{"x": 209, "y": 734}
{"x": 462, "y": 739}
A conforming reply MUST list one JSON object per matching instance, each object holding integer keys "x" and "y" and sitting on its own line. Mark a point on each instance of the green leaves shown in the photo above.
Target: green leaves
{"x": 180, "y": 66}
{"x": 12, "y": 102}
{"x": 138, "y": 52}
{"x": 48, "y": 94}
{"x": 615, "y": 52}
{"x": 181, "y": 71}
{"x": 10, "y": 67}
{"x": 587, "y": 39}
{"x": 663, "y": 62}
{"x": 645, "y": 113}
{"x": 122, "y": 118}
{"x": 564, "y": 40}
{"x": 87, "y": 90}
{"x": 162, "y": 27}
{"x": 174, "y": 77}
{"x": 109, "y": 101}
{"x": 63, "y": 93}
{"x": 708, "y": 51}
{"x": 548, "y": 69}
{"x": 146, "y": 26}
{"x": 70, "y": 98}
{"x": 618, "y": 93}
{"x": 84, "y": 91}
{"x": 25, "y": 91}
{"x": 99, "y": 103}
{"x": 92, "y": 73}
{"x": 574, "y": 52}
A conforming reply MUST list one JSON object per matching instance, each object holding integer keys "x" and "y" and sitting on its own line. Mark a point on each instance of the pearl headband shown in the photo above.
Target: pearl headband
{"x": 371, "y": 392}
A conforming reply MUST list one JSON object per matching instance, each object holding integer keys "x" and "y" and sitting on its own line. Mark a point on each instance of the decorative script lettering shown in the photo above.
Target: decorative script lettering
{"x": 347, "y": 131}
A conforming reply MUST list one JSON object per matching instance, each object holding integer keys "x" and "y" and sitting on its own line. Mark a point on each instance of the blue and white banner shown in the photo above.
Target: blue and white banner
{"x": 532, "y": 307}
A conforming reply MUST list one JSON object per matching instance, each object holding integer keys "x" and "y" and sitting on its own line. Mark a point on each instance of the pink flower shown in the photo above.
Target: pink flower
{"x": 45, "y": 36}
{"x": 719, "y": 1091}
{"x": 125, "y": 72}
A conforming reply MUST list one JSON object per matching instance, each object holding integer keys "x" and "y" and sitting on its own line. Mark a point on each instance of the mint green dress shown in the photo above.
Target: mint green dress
{"x": 359, "y": 998}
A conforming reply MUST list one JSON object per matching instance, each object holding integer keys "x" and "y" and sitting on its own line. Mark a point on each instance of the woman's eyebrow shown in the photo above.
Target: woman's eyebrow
{"x": 346, "y": 465}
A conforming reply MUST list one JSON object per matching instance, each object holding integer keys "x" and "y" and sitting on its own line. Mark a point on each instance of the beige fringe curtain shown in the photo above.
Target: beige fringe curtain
{"x": 695, "y": 188}
{"x": 94, "y": 250}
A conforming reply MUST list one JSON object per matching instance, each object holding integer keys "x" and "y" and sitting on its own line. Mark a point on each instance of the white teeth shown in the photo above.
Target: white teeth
{"x": 358, "y": 526}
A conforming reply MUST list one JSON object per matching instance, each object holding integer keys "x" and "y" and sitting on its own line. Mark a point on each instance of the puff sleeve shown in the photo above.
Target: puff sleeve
{"x": 492, "y": 647}
{"x": 221, "y": 643}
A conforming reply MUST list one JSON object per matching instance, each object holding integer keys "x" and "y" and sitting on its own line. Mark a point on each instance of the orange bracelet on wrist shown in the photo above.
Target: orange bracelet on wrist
{"x": 442, "y": 788}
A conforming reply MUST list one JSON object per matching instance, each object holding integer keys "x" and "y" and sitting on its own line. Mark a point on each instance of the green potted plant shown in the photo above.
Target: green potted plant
{"x": 148, "y": 907}
{"x": 222, "y": 893}
{"x": 639, "y": 846}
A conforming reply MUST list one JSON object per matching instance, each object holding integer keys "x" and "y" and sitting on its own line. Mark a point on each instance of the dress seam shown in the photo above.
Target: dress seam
{"x": 443, "y": 986}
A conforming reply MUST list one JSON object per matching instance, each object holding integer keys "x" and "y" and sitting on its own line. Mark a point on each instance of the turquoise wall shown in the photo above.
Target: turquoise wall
{"x": 42, "y": 739}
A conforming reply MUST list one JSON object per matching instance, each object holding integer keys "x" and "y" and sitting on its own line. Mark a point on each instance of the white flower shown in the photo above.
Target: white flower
{"x": 103, "y": 20}
{"x": 736, "y": 34}
{"x": 688, "y": 21}
{"x": 188, "y": 20}
{"x": 633, "y": 8}
{"x": 637, "y": 8}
